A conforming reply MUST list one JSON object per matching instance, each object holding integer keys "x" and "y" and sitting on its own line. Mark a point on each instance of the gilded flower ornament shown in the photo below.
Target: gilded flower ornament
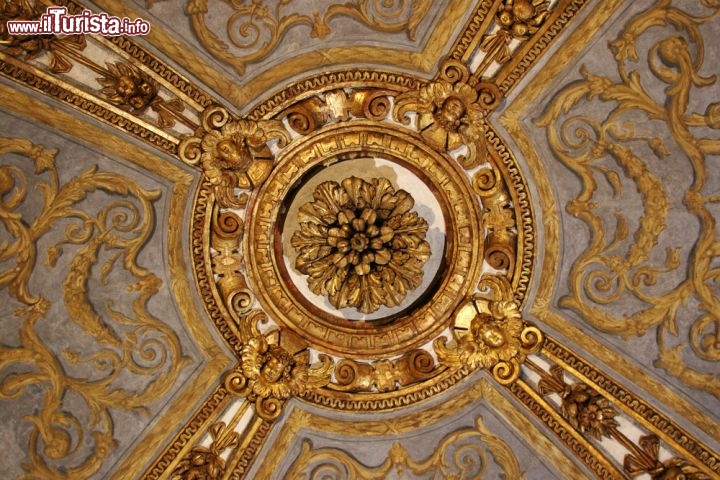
{"x": 206, "y": 463}
{"x": 233, "y": 153}
{"x": 489, "y": 334}
{"x": 522, "y": 17}
{"x": 588, "y": 411}
{"x": 127, "y": 86}
{"x": 360, "y": 243}
{"x": 449, "y": 115}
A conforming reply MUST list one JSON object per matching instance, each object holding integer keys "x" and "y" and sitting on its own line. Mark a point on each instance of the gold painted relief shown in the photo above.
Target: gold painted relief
{"x": 94, "y": 246}
{"x": 301, "y": 424}
{"x": 360, "y": 243}
{"x": 461, "y": 454}
{"x": 254, "y": 30}
{"x": 611, "y": 151}
{"x": 584, "y": 408}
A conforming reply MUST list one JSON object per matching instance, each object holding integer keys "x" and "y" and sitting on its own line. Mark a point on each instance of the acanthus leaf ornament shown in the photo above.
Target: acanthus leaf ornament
{"x": 127, "y": 86}
{"x": 490, "y": 333}
{"x": 522, "y": 18}
{"x": 360, "y": 244}
{"x": 233, "y": 153}
{"x": 600, "y": 108}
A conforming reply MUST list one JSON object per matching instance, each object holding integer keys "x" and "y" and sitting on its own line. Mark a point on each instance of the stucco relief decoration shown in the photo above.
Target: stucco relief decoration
{"x": 125, "y": 85}
{"x": 462, "y": 454}
{"x": 257, "y": 242}
{"x": 361, "y": 244}
{"x": 72, "y": 438}
{"x": 451, "y": 113}
{"x": 646, "y": 460}
{"x": 522, "y": 17}
{"x": 614, "y": 156}
{"x": 490, "y": 333}
{"x": 233, "y": 153}
{"x": 516, "y": 20}
{"x": 596, "y": 417}
{"x": 206, "y": 463}
{"x": 256, "y": 29}
{"x": 273, "y": 367}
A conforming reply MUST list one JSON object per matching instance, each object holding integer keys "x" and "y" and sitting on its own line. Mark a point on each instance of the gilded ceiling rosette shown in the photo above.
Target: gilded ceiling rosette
{"x": 360, "y": 244}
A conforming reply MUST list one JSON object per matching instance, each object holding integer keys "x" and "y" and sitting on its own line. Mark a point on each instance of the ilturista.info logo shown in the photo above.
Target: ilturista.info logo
{"x": 56, "y": 21}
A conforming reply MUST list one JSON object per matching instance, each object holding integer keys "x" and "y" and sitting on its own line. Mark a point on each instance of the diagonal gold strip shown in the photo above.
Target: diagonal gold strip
{"x": 43, "y": 82}
{"x": 246, "y": 454}
{"x": 174, "y": 81}
{"x": 183, "y": 441}
{"x": 530, "y": 52}
{"x": 600, "y": 465}
{"x": 641, "y": 411}
{"x": 475, "y": 28}
{"x": 511, "y": 120}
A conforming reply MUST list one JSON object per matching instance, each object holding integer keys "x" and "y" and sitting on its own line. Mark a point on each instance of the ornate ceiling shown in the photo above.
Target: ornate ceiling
{"x": 371, "y": 239}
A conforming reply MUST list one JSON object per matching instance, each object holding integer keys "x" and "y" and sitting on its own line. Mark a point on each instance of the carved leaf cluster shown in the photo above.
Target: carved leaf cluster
{"x": 360, "y": 244}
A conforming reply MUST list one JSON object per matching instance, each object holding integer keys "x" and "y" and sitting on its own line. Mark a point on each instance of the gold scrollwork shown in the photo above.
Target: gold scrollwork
{"x": 517, "y": 20}
{"x": 337, "y": 120}
{"x": 591, "y": 413}
{"x": 461, "y": 454}
{"x": 451, "y": 112}
{"x": 137, "y": 344}
{"x": 255, "y": 30}
{"x": 604, "y": 274}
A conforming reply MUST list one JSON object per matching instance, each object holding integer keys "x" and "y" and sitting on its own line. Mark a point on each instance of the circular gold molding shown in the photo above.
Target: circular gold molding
{"x": 421, "y": 321}
{"x": 323, "y": 123}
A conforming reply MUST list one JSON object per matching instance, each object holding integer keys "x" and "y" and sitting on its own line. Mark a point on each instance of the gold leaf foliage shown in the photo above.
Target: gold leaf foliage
{"x": 461, "y": 454}
{"x": 61, "y": 444}
{"x": 608, "y": 143}
{"x": 232, "y": 153}
{"x": 273, "y": 367}
{"x": 490, "y": 333}
{"x": 360, "y": 243}
{"x": 255, "y": 29}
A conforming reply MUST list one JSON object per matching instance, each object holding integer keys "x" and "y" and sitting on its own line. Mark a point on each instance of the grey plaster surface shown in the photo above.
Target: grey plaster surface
{"x": 59, "y": 333}
{"x": 673, "y": 171}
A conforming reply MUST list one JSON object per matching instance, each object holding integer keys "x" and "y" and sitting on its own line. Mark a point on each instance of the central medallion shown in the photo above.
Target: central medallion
{"x": 377, "y": 256}
{"x": 360, "y": 243}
